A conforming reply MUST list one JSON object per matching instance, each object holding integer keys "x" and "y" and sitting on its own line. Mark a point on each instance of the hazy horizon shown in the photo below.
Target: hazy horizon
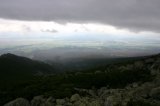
{"x": 79, "y": 28}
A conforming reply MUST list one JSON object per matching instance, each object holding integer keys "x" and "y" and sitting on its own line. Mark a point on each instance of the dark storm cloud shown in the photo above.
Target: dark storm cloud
{"x": 136, "y": 15}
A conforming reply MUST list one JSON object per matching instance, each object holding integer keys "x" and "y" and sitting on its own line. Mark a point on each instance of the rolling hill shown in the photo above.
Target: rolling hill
{"x": 17, "y": 67}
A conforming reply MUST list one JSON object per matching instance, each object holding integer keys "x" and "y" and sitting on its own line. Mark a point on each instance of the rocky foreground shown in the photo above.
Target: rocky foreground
{"x": 135, "y": 94}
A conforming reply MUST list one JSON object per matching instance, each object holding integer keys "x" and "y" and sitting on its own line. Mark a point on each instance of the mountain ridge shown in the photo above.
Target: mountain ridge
{"x": 15, "y": 66}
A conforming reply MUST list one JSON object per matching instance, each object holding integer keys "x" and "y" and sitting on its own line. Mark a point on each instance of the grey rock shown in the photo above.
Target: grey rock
{"x": 95, "y": 103}
{"x": 85, "y": 101}
{"x": 134, "y": 85}
{"x": 92, "y": 92}
{"x": 38, "y": 101}
{"x": 50, "y": 102}
{"x": 60, "y": 101}
{"x": 101, "y": 91}
{"x": 69, "y": 104}
{"x": 50, "y": 99}
{"x": 150, "y": 60}
{"x": 98, "y": 72}
{"x": 79, "y": 103}
{"x": 139, "y": 64}
{"x": 75, "y": 97}
{"x": 18, "y": 102}
{"x": 155, "y": 93}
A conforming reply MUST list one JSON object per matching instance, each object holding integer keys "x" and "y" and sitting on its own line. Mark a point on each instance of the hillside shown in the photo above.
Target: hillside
{"x": 14, "y": 67}
{"x": 133, "y": 83}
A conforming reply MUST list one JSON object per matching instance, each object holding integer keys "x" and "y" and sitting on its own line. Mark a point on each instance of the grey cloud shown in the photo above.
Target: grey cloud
{"x": 26, "y": 28}
{"x": 50, "y": 30}
{"x": 136, "y": 15}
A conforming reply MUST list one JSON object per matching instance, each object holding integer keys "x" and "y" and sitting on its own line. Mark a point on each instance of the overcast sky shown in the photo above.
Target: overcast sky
{"x": 126, "y": 23}
{"x": 134, "y": 15}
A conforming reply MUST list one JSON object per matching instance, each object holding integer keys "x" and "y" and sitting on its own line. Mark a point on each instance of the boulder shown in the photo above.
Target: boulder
{"x": 150, "y": 60}
{"x": 98, "y": 72}
{"x": 155, "y": 93}
{"x": 135, "y": 85}
{"x": 50, "y": 102}
{"x": 92, "y": 92}
{"x": 101, "y": 91}
{"x": 82, "y": 102}
{"x": 142, "y": 91}
{"x": 75, "y": 97}
{"x": 60, "y": 101}
{"x": 95, "y": 103}
{"x": 18, "y": 102}
{"x": 38, "y": 101}
{"x": 114, "y": 100}
{"x": 139, "y": 64}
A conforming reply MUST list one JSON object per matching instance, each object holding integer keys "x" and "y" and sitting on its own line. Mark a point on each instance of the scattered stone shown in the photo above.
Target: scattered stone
{"x": 147, "y": 92}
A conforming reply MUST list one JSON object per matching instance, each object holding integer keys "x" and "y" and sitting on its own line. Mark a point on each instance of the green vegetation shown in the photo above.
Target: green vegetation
{"x": 63, "y": 84}
{"x": 15, "y": 68}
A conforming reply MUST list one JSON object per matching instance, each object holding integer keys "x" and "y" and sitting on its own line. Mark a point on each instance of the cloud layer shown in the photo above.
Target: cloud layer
{"x": 136, "y": 15}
